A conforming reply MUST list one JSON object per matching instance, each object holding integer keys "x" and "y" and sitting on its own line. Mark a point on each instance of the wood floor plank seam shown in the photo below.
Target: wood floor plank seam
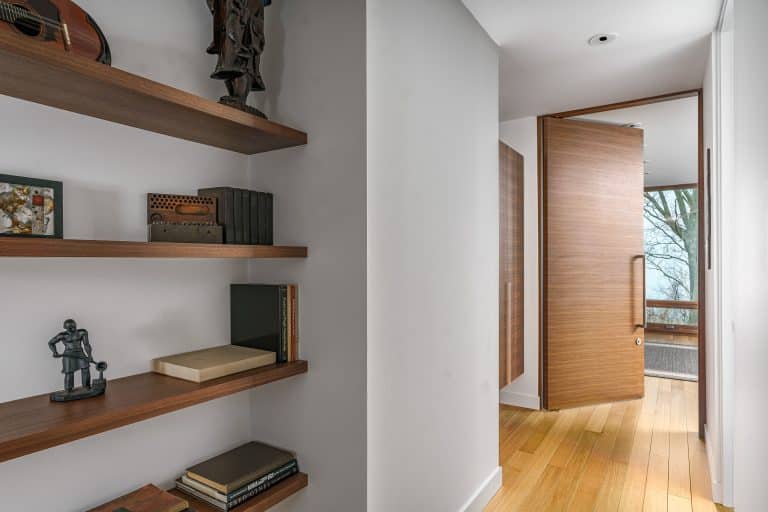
{"x": 636, "y": 482}
{"x": 588, "y": 491}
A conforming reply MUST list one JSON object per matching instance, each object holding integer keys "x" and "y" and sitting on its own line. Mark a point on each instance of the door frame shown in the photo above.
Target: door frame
{"x": 511, "y": 297}
{"x": 703, "y": 221}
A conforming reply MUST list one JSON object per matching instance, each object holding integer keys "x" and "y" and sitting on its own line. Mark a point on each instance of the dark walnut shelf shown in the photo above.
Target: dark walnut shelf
{"x": 33, "y": 424}
{"x": 260, "y": 503}
{"x": 34, "y": 73}
{"x": 11, "y": 247}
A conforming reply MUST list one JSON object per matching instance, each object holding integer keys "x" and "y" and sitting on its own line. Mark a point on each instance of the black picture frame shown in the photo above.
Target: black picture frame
{"x": 58, "y": 203}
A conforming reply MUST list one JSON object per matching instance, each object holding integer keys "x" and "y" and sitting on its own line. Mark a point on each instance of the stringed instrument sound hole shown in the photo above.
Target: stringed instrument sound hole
{"x": 28, "y": 25}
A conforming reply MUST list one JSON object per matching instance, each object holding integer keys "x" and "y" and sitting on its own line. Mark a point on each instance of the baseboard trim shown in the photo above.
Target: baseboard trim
{"x": 717, "y": 487}
{"x": 483, "y": 495}
{"x": 523, "y": 400}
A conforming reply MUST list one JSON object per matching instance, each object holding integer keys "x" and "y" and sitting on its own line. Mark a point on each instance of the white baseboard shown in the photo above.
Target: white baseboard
{"x": 523, "y": 400}
{"x": 483, "y": 495}
{"x": 714, "y": 470}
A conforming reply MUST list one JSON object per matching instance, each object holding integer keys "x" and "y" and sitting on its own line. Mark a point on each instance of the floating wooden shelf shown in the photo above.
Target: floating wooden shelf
{"x": 260, "y": 503}
{"x": 33, "y": 424}
{"x": 57, "y": 79}
{"x": 54, "y": 248}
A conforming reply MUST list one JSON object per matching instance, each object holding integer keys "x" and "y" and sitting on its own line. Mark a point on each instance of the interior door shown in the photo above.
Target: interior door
{"x": 592, "y": 263}
{"x": 510, "y": 264}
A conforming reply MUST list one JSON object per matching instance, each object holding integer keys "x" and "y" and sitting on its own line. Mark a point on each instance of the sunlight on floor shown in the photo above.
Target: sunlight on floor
{"x": 627, "y": 456}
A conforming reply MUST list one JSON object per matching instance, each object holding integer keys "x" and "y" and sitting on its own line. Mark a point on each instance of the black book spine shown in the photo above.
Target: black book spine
{"x": 276, "y": 472}
{"x": 229, "y": 216}
{"x": 254, "y": 202}
{"x": 245, "y": 197}
{"x": 269, "y": 219}
{"x": 238, "y": 217}
{"x": 282, "y": 356}
{"x": 262, "y": 218}
{"x": 272, "y": 479}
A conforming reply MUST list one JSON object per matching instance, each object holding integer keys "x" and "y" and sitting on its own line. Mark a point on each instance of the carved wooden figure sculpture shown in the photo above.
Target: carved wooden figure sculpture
{"x": 238, "y": 40}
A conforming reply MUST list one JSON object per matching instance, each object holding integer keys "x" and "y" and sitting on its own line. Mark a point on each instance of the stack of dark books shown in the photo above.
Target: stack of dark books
{"x": 264, "y": 316}
{"x": 246, "y": 215}
{"x": 234, "y": 477}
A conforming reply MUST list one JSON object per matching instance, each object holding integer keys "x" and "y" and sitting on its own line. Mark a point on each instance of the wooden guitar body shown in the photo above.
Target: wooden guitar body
{"x": 60, "y": 24}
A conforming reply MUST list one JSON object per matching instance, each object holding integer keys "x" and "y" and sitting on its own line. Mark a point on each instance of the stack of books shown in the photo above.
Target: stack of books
{"x": 247, "y": 215}
{"x": 234, "y": 477}
{"x": 265, "y": 317}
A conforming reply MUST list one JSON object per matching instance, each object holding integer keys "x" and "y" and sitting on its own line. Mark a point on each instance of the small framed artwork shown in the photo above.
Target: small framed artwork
{"x": 30, "y": 207}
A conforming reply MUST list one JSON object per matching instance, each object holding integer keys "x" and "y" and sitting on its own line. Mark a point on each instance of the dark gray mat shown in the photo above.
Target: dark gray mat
{"x": 672, "y": 361}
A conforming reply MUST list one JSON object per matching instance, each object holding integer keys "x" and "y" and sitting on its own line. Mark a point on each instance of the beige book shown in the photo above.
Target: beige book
{"x": 212, "y": 363}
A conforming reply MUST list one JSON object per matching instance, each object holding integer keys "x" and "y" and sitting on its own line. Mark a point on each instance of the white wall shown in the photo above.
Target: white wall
{"x": 315, "y": 72}
{"x": 750, "y": 240}
{"x": 432, "y": 258}
{"x": 712, "y": 423}
{"x": 135, "y": 310}
{"x": 521, "y": 135}
{"x": 719, "y": 137}
{"x": 725, "y": 176}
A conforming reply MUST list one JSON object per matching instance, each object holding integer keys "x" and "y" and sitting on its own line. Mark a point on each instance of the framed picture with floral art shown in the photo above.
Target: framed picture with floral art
{"x": 30, "y": 207}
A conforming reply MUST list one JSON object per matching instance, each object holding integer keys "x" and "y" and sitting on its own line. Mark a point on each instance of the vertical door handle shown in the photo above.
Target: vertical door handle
{"x": 645, "y": 309}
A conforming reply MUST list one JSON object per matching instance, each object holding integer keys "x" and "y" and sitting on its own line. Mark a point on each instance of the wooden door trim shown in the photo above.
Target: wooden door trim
{"x": 627, "y": 104}
{"x": 671, "y": 187}
{"x": 543, "y": 224}
{"x": 511, "y": 264}
{"x": 541, "y": 181}
{"x": 701, "y": 267}
{"x": 672, "y": 304}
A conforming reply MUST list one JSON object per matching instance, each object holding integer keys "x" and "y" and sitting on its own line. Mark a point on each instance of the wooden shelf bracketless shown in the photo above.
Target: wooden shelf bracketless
{"x": 34, "y": 73}
{"x": 55, "y": 248}
{"x": 259, "y": 503}
{"x": 34, "y": 424}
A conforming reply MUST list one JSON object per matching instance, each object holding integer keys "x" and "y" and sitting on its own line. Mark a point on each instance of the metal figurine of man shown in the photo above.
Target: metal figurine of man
{"x": 77, "y": 356}
{"x": 238, "y": 40}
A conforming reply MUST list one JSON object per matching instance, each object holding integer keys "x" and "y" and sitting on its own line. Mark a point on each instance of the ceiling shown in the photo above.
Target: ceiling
{"x": 671, "y": 131}
{"x": 547, "y": 65}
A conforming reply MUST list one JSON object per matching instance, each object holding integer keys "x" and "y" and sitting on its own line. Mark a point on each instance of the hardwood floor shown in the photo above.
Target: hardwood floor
{"x": 640, "y": 455}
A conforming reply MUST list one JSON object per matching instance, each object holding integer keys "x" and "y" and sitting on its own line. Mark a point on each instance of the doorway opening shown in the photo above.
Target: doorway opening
{"x": 673, "y": 233}
{"x": 671, "y": 242}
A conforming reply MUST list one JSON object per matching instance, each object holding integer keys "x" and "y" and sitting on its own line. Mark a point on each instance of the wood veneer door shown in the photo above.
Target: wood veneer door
{"x": 510, "y": 264}
{"x": 592, "y": 279}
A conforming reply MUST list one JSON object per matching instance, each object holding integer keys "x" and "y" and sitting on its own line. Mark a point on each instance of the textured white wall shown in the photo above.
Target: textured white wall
{"x": 135, "y": 310}
{"x": 315, "y": 72}
{"x": 521, "y": 135}
{"x": 432, "y": 256}
{"x": 750, "y": 253}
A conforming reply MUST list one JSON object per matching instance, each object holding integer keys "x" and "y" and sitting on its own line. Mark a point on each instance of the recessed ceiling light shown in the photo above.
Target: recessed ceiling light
{"x": 601, "y": 39}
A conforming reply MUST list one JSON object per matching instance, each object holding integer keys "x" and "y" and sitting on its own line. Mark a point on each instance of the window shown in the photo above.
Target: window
{"x": 672, "y": 251}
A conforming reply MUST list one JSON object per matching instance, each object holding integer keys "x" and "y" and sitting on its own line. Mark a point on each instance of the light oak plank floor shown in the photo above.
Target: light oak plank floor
{"x": 642, "y": 455}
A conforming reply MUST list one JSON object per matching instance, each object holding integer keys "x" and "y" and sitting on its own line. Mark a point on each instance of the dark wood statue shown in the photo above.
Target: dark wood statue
{"x": 238, "y": 40}
{"x": 77, "y": 356}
